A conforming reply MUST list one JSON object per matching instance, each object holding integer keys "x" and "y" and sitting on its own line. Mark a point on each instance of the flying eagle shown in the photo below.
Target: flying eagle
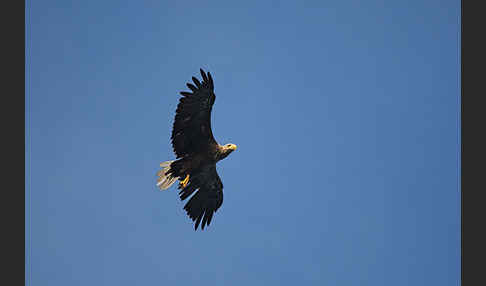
{"x": 197, "y": 153}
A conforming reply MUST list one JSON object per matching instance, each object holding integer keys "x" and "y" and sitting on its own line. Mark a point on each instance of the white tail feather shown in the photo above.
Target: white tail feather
{"x": 165, "y": 180}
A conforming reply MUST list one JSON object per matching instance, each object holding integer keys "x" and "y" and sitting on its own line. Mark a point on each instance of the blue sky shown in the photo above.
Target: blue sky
{"x": 345, "y": 113}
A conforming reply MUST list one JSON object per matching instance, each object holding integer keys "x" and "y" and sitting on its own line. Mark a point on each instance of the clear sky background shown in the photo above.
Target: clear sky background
{"x": 345, "y": 113}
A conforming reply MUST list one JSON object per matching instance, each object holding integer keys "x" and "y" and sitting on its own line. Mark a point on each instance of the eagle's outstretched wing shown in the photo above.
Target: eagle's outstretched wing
{"x": 191, "y": 132}
{"x": 208, "y": 198}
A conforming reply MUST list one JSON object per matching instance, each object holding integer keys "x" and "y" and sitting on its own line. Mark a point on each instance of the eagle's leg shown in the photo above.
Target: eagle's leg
{"x": 185, "y": 181}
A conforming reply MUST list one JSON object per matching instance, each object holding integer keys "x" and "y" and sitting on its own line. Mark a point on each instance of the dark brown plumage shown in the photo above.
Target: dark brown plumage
{"x": 197, "y": 153}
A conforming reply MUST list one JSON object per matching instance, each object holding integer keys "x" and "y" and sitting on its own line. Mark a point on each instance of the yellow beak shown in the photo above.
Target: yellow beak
{"x": 232, "y": 147}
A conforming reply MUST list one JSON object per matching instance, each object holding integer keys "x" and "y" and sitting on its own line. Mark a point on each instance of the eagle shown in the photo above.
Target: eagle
{"x": 197, "y": 153}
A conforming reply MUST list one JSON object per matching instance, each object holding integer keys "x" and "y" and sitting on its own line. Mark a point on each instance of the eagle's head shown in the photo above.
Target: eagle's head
{"x": 227, "y": 149}
{"x": 230, "y": 147}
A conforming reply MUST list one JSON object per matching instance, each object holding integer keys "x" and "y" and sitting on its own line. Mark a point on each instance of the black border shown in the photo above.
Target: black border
{"x": 13, "y": 120}
{"x": 472, "y": 144}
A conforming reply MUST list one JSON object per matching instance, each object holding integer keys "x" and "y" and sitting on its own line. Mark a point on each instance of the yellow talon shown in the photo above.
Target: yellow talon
{"x": 185, "y": 181}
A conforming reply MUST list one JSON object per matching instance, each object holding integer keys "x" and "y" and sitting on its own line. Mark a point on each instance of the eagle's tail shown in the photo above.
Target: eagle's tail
{"x": 165, "y": 177}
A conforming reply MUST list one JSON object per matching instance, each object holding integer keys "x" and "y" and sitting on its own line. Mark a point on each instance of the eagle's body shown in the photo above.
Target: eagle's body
{"x": 197, "y": 153}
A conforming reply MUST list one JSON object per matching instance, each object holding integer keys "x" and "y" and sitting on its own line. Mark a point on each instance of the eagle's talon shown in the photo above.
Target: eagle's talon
{"x": 185, "y": 181}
